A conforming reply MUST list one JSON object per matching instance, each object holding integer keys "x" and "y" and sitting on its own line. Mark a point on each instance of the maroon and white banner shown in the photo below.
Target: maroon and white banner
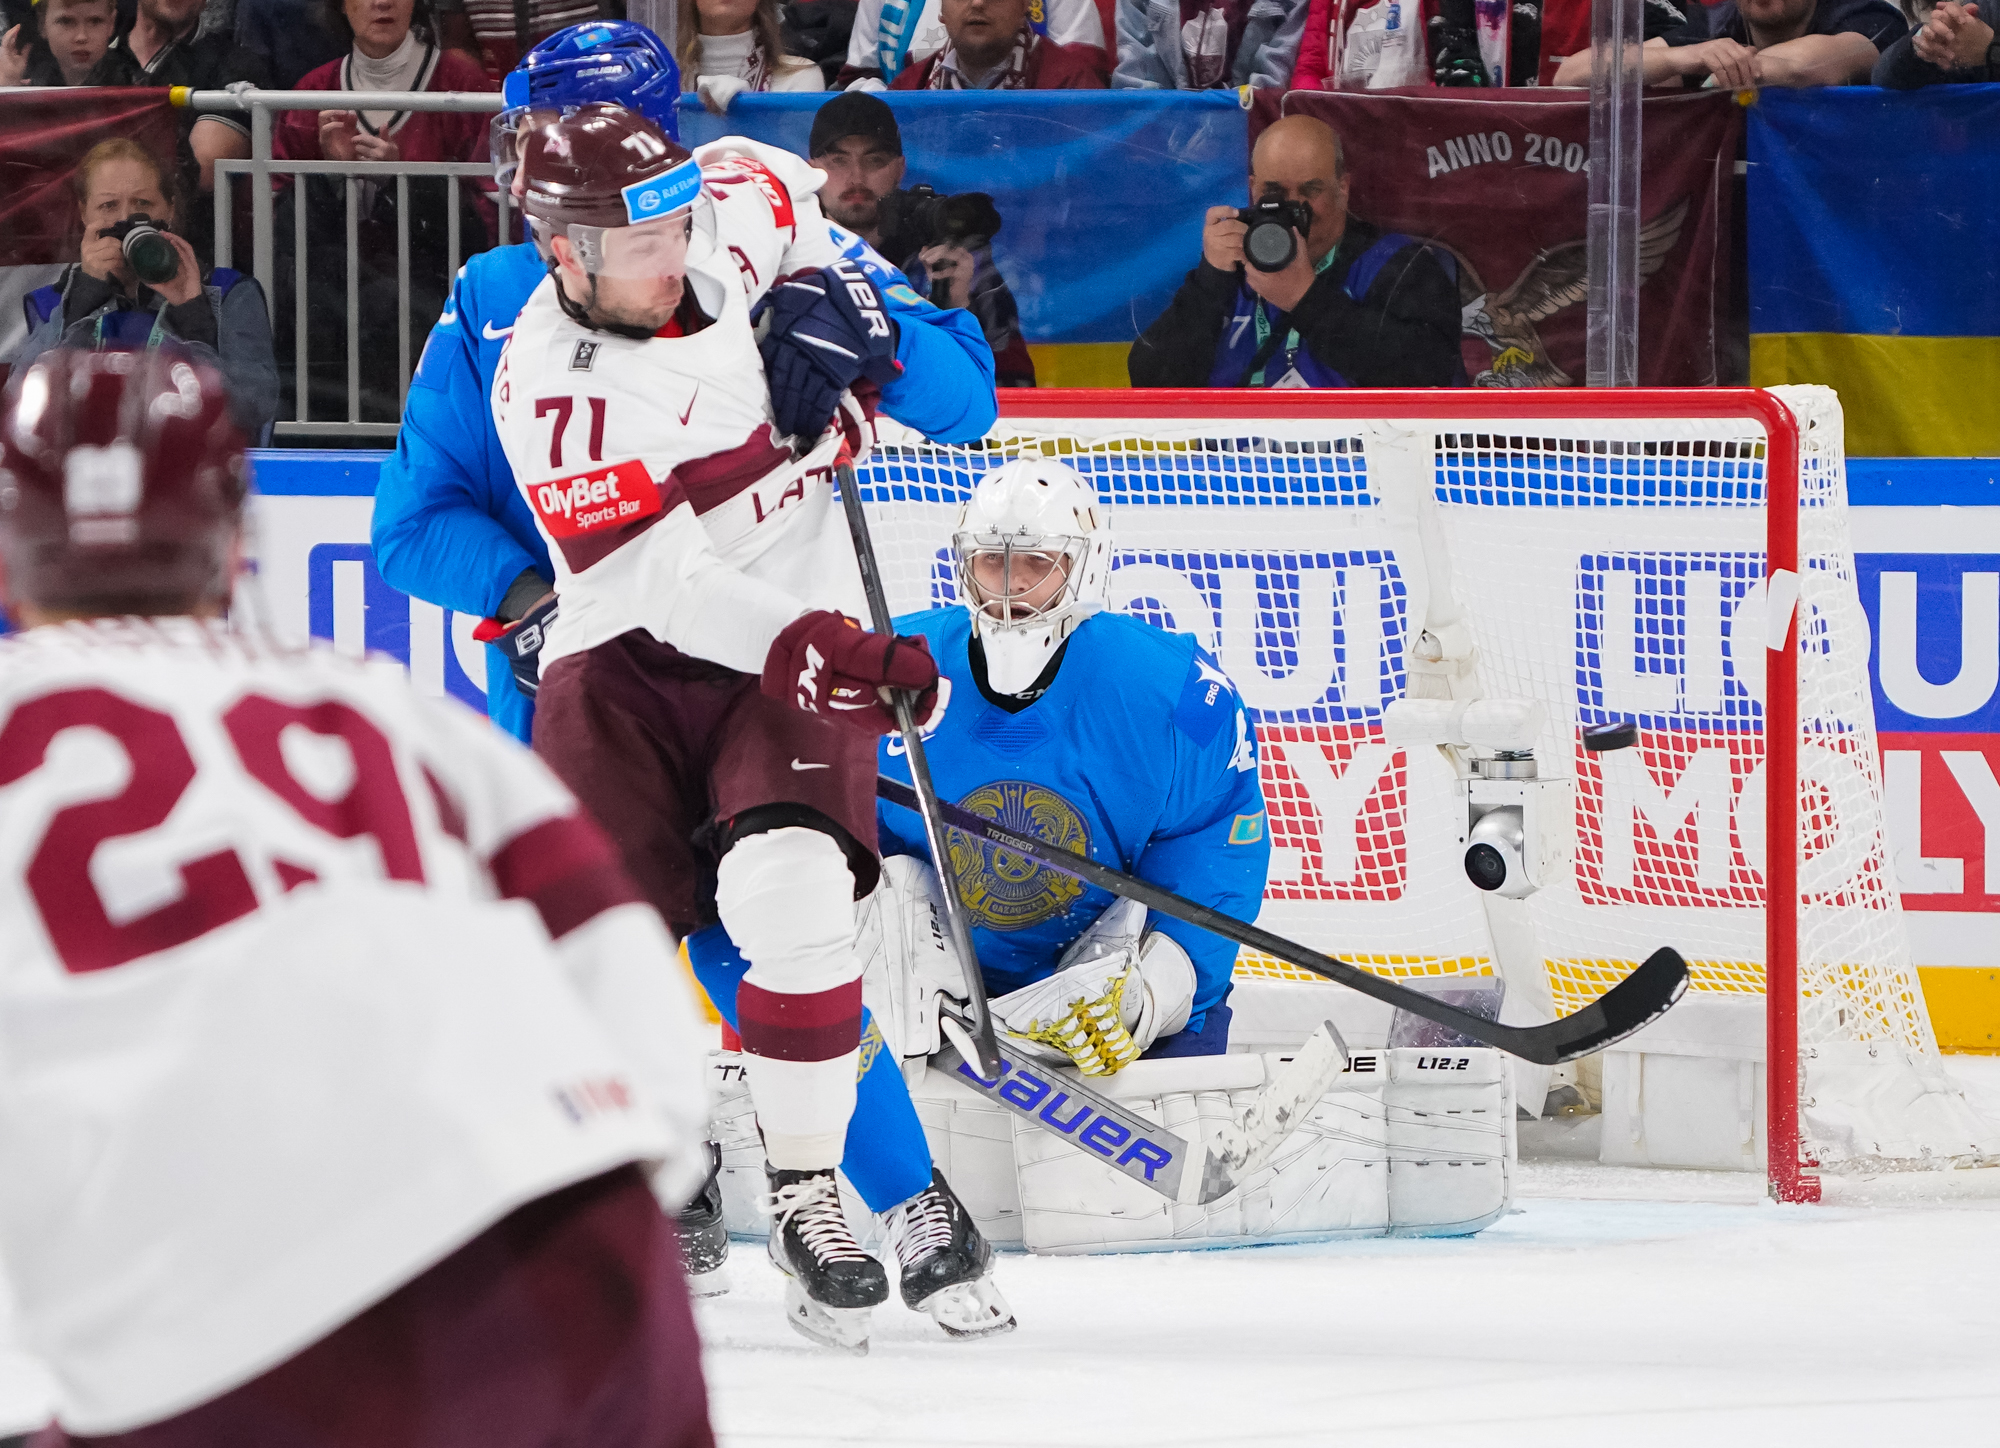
{"x": 1501, "y": 182}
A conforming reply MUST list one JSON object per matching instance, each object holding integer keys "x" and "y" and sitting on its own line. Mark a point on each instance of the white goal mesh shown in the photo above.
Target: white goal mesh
{"x": 1611, "y": 567}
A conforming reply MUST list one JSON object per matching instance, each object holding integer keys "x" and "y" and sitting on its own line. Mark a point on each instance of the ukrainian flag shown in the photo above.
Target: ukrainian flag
{"x": 1875, "y": 260}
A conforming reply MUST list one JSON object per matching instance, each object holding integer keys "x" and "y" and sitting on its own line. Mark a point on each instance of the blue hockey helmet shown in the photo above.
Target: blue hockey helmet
{"x": 615, "y": 62}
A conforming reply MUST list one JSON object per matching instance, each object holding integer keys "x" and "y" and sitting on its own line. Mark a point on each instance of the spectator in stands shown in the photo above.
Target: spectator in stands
{"x": 161, "y": 48}
{"x": 99, "y": 302}
{"x": 290, "y": 34}
{"x": 1356, "y": 307}
{"x": 1742, "y": 44}
{"x": 879, "y": 52}
{"x": 392, "y": 47}
{"x": 943, "y": 244}
{"x": 989, "y": 45}
{"x": 820, "y": 31}
{"x": 726, "y": 47}
{"x": 1205, "y": 45}
{"x": 500, "y": 32}
{"x": 1565, "y": 34}
{"x": 76, "y": 35}
{"x": 1952, "y": 46}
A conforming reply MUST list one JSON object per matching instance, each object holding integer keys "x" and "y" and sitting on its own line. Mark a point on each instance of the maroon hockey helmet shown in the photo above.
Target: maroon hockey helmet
{"x": 599, "y": 168}
{"x": 122, "y": 480}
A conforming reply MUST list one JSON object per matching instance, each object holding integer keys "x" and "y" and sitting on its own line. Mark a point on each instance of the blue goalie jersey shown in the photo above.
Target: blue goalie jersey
{"x": 1139, "y": 755}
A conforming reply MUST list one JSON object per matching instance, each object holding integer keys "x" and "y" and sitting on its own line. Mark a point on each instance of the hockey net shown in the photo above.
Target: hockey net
{"x": 1613, "y": 555}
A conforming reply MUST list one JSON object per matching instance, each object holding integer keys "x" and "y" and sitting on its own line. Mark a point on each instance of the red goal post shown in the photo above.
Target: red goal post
{"x": 1250, "y": 512}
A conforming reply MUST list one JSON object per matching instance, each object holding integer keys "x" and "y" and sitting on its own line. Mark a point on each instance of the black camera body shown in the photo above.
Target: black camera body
{"x": 924, "y": 218}
{"x": 940, "y": 220}
{"x": 147, "y": 251}
{"x": 1276, "y": 230}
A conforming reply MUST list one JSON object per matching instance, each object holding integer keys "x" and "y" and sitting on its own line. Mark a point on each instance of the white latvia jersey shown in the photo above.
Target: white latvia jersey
{"x": 653, "y": 466}
{"x": 304, "y": 982}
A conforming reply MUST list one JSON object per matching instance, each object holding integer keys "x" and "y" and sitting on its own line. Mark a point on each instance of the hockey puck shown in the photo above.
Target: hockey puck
{"x": 1603, "y": 738}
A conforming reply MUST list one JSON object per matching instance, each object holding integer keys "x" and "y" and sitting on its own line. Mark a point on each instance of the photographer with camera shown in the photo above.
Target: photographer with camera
{"x": 1294, "y": 292}
{"x": 138, "y": 286}
{"x": 944, "y": 244}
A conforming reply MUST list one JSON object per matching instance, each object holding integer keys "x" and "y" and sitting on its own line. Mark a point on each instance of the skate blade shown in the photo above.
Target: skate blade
{"x": 969, "y": 1310}
{"x": 712, "y": 1283}
{"x": 844, "y": 1329}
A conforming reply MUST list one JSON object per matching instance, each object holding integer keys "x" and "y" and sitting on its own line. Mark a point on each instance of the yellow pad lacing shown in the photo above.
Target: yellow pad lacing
{"x": 1091, "y": 1033}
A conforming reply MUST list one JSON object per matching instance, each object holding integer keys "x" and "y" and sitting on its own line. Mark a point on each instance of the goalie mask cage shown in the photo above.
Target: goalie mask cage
{"x": 1613, "y": 555}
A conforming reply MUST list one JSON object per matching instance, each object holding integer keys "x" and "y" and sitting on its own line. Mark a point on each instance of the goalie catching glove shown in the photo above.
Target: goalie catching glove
{"x": 819, "y": 333}
{"x": 823, "y": 663}
{"x": 1115, "y": 993}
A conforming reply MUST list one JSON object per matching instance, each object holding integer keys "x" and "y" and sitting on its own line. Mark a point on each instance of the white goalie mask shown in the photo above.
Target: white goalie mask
{"x": 1033, "y": 554}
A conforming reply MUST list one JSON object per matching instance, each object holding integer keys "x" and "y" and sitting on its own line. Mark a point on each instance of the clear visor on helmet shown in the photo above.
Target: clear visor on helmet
{"x": 504, "y": 139}
{"x": 1018, "y": 578}
{"x": 663, "y": 248}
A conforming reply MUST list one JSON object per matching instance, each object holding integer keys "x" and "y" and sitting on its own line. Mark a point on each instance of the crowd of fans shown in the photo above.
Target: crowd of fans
{"x": 1351, "y": 305}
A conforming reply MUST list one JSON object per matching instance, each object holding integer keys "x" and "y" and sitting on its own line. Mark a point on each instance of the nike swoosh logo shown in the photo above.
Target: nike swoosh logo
{"x": 493, "y": 336}
{"x": 684, "y": 421}
{"x": 797, "y": 765}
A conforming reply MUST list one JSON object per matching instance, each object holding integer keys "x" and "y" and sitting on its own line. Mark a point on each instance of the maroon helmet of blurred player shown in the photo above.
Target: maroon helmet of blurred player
{"x": 122, "y": 481}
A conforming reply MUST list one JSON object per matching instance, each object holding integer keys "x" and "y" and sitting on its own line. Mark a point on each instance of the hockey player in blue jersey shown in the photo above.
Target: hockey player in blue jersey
{"x": 1104, "y": 735}
{"x": 450, "y": 526}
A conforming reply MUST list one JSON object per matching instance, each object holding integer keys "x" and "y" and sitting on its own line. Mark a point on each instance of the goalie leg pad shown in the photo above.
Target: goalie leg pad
{"x": 906, "y": 964}
{"x": 786, "y": 899}
{"x": 1409, "y": 1142}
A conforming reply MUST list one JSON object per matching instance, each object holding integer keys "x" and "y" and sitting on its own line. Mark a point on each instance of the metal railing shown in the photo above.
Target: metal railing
{"x": 262, "y": 168}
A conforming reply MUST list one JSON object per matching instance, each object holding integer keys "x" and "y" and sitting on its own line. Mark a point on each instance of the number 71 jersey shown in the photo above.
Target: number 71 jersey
{"x": 304, "y": 981}
{"x": 653, "y": 467}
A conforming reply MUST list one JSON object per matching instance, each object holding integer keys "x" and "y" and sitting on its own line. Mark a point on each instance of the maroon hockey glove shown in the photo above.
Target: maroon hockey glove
{"x": 825, "y": 664}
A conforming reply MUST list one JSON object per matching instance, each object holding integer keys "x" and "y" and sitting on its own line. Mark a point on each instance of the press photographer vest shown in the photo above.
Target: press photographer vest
{"x": 1255, "y": 338}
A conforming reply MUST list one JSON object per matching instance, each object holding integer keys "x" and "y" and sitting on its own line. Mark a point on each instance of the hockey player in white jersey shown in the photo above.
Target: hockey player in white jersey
{"x": 335, "y": 1045}
{"x": 704, "y": 687}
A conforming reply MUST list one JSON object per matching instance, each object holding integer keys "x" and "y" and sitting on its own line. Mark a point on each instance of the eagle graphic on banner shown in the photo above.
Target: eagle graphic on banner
{"x": 1558, "y": 277}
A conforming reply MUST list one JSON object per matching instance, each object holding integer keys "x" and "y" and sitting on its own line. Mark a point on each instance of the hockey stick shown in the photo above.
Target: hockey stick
{"x": 1639, "y": 999}
{"x": 1060, "y": 1104}
{"x": 926, "y": 801}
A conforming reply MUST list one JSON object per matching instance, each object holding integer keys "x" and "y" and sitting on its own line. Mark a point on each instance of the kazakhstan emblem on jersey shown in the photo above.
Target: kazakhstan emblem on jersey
{"x": 1006, "y": 891}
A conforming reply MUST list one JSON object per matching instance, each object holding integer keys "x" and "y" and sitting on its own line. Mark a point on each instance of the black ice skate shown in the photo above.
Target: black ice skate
{"x": 831, "y": 1285}
{"x": 704, "y": 1235}
{"x": 947, "y": 1264}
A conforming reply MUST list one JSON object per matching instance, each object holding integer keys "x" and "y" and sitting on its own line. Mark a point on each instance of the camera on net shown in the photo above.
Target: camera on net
{"x": 1276, "y": 230}
{"x": 969, "y": 219}
{"x": 147, "y": 251}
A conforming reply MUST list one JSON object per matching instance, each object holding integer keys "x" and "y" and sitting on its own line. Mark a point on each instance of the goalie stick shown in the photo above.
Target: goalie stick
{"x": 1638, "y": 1000}
{"x": 980, "y": 1043}
{"x": 1059, "y": 1103}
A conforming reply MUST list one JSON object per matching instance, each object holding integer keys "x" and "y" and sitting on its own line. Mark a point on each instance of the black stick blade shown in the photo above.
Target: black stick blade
{"x": 1636, "y": 1001}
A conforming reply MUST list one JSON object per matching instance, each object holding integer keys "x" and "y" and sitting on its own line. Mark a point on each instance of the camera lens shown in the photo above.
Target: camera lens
{"x": 1485, "y": 867}
{"x": 152, "y": 257}
{"x": 1269, "y": 245}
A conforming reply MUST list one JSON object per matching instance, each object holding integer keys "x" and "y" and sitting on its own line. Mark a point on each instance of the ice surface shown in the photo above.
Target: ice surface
{"x": 1618, "y": 1306}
